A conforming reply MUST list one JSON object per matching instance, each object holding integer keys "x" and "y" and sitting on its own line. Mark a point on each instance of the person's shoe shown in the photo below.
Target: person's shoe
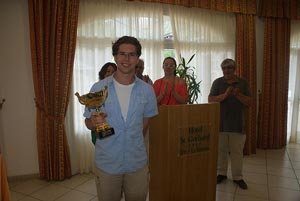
{"x": 221, "y": 178}
{"x": 241, "y": 183}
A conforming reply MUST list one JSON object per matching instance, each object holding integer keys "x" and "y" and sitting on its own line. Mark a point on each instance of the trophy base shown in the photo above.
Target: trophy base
{"x": 105, "y": 133}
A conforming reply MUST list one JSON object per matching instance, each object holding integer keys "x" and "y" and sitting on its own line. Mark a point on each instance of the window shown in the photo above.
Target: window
{"x": 163, "y": 30}
{"x": 293, "y": 122}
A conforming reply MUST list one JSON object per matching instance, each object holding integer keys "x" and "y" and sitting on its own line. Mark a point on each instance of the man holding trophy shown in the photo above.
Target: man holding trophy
{"x": 121, "y": 117}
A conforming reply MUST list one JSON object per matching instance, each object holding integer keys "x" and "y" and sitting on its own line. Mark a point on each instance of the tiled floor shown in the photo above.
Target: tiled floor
{"x": 271, "y": 175}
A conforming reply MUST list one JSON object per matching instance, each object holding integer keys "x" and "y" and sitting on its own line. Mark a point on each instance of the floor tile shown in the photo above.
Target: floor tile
{"x": 296, "y": 165}
{"x": 248, "y": 198}
{"x": 227, "y": 186}
{"x": 256, "y": 178}
{"x": 254, "y": 161}
{"x": 88, "y": 187}
{"x": 280, "y": 194}
{"x": 224, "y": 196}
{"x": 123, "y": 198}
{"x": 75, "y": 196}
{"x": 295, "y": 156}
{"x": 88, "y": 175}
{"x": 279, "y": 163}
{"x": 275, "y": 151}
{"x": 95, "y": 199}
{"x": 50, "y": 192}
{"x": 283, "y": 182}
{"x": 284, "y": 172}
{"x": 16, "y": 196}
{"x": 28, "y": 198}
{"x": 297, "y": 172}
{"x": 14, "y": 183}
{"x": 293, "y": 146}
{"x": 258, "y": 169}
{"x": 74, "y": 181}
{"x": 260, "y": 153}
{"x": 292, "y": 150}
{"x": 277, "y": 155}
{"x": 254, "y": 190}
{"x": 29, "y": 186}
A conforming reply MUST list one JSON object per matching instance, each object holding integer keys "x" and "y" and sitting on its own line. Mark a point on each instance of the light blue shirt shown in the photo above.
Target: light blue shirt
{"x": 124, "y": 152}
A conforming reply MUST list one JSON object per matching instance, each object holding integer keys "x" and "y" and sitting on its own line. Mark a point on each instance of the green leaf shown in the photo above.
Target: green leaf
{"x": 192, "y": 57}
{"x": 187, "y": 73}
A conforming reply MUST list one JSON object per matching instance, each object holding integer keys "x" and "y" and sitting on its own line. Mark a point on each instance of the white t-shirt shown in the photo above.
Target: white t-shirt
{"x": 123, "y": 93}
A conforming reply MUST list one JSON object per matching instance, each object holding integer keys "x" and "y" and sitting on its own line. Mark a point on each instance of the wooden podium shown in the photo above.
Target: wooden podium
{"x": 183, "y": 144}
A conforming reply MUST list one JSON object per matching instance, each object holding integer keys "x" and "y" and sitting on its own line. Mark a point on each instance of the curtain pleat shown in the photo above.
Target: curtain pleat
{"x": 280, "y": 8}
{"x": 273, "y": 109}
{"x": 53, "y": 28}
{"x": 273, "y": 103}
{"x": 233, "y": 6}
{"x": 246, "y": 62}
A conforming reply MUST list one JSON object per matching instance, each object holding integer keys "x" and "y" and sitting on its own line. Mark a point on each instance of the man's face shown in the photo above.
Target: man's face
{"x": 126, "y": 59}
{"x": 228, "y": 72}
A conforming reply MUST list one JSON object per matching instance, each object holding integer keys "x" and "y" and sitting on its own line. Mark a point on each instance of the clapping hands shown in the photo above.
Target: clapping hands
{"x": 232, "y": 90}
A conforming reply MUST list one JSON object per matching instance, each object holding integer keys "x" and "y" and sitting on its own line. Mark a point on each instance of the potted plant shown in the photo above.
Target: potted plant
{"x": 187, "y": 73}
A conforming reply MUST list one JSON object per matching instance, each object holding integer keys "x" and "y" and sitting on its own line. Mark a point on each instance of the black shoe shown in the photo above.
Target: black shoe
{"x": 241, "y": 183}
{"x": 221, "y": 178}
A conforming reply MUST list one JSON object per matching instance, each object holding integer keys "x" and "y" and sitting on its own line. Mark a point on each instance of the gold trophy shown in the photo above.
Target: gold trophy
{"x": 95, "y": 100}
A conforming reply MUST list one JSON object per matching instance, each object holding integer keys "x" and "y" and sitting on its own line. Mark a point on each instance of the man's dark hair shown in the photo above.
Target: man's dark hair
{"x": 127, "y": 40}
{"x": 228, "y": 63}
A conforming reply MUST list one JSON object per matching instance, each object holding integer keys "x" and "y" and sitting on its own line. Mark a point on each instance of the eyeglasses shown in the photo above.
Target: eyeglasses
{"x": 169, "y": 65}
{"x": 129, "y": 55}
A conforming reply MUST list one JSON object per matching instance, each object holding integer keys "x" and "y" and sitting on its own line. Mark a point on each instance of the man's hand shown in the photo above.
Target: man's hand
{"x": 97, "y": 118}
{"x": 146, "y": 78}
{"x": 236, "y": 91}
{"x": 228, "y": 91}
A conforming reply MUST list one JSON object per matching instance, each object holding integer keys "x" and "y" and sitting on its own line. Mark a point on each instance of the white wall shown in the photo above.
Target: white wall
{"x": 17, "y": 118}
